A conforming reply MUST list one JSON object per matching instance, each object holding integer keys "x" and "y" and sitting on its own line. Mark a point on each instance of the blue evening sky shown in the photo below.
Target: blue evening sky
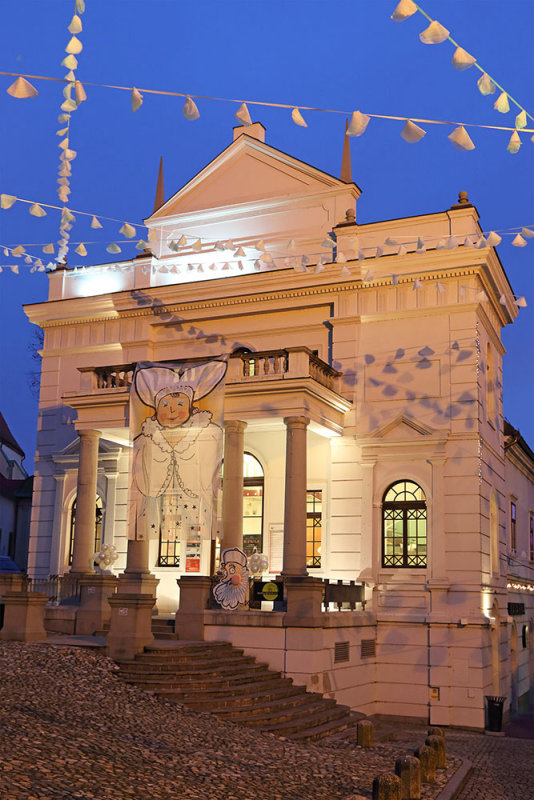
{"x": 338, "y": 54}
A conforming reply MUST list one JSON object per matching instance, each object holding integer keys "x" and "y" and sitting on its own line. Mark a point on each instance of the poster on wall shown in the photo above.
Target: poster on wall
{"x": 176, "y": 428}
{"x": 276, "y": 547}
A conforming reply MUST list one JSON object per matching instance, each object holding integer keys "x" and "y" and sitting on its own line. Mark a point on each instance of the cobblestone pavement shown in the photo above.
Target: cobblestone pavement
{"x": 503, "y": 767}
{"x": 70, "y": 729}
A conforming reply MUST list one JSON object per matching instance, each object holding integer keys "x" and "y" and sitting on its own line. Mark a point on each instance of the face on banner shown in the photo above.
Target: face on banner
{"x": 176, "y": 416}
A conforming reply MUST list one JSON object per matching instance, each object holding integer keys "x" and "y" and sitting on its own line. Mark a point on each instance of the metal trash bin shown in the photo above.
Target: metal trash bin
{"x": 495, "y": 707}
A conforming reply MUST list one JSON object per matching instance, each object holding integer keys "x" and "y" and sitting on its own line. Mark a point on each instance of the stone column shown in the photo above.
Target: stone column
{"x": 234, "y": 441}
{"x": 295, "y": 498}
{"x": 137, "y": 578}
{"x": 84, "y": 526}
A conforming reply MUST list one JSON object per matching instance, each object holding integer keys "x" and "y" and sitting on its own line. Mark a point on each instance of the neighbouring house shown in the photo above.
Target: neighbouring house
{"x": 15, "y": 502}
{"x": 367, "y": 357}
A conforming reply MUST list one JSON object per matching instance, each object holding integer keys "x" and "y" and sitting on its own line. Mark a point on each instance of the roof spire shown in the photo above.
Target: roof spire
{"x": 160, "y": 194}
{"x": 346, "y": 168}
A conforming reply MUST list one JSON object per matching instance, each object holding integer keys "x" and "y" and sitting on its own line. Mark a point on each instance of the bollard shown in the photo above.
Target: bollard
{"x": 436, "y": 732}
{"x": 427, "y": 757}
{"x": 408, "y": 768}
{"x": 438, "y": 743}
{"x": 365, "y": 733}
{"x": 386, "y": 787}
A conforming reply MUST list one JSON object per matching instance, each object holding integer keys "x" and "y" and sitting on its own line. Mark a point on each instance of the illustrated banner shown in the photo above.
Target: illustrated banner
{"x": 176, "y": 429}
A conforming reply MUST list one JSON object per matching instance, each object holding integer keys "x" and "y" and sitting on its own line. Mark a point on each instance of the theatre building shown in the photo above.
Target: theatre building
{"x": 364, "y": 438}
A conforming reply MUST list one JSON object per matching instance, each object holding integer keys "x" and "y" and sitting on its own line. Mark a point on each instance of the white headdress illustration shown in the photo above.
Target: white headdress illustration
{"x": 154, "y": 383}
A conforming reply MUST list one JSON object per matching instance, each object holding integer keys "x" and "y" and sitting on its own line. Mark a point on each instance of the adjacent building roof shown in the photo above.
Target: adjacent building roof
{"x": 7, "y": 438}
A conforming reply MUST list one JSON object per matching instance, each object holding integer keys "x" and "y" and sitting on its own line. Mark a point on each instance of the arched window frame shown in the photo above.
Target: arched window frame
{"x": 404, "y": 512}
{"x": 253, "y": 482}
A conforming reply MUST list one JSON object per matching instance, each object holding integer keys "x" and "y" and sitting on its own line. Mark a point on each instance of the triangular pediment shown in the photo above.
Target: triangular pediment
{"x": 403, "y": 428}
{"x": 72, "y": 450}
{"x": 246, "y": 172}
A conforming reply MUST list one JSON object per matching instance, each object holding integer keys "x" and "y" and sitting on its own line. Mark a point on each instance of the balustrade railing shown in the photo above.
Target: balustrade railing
{"x": 58, "y": 588}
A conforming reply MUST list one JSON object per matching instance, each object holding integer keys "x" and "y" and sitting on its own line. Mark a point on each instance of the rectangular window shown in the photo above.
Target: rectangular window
{"x": 314, "y": 523}
{"x": 513, "y": 527}
{"x": 531, "y": 536}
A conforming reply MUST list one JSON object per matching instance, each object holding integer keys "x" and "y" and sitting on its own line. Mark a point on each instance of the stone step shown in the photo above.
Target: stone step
{"x": 185, "y": 652}
{"x": 199, "y": 684}
{"x": 214, "y": 667}
{"x": 331, "y": 729}
{"x": 246, "y": 697}
{"x": 134, "y": 673}
{"x": 262, "y": 709}
{"x": 283, "y": 713}
{"x": 309, "y": 720}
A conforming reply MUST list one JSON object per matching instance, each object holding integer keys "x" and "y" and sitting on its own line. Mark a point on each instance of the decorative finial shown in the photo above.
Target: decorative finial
{"x": 350, "y": 215}
{"x": 463, "y": 199}
{"x": 160, "y": 193}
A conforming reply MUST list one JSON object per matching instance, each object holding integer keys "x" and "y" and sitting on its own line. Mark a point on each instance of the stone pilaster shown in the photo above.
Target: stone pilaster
{"x": 234, "y": 442}
{"x": 295, "y": 498}
{"x": 84, "y": 526}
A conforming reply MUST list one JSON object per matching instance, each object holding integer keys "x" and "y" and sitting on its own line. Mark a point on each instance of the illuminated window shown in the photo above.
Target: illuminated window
{"x": 404, "y": 526}
{"x": 98, "y": 527}
{"x": 169, "y": 534}
{"x": 314, "y": 524}
{"x": 253, "y": 485}
{"x": 513, "y": 526}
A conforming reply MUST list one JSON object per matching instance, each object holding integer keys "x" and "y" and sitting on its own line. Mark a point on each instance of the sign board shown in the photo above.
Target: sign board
{"x": 267, "y": 590}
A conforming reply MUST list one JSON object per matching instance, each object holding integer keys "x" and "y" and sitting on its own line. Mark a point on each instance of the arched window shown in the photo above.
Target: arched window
{"x": 253, "y": 484}
{"x": 98, "y": 527}
{"x": 404, "y": 525}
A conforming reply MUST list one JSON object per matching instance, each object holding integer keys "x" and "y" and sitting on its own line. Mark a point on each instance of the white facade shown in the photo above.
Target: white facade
{"x": 399, "y": 383}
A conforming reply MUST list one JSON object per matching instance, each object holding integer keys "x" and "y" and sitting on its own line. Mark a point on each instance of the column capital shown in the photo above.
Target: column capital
{"x": 234, "y": 425}
{"x": 296, "y": 422}
{"x": 89, "y": 433}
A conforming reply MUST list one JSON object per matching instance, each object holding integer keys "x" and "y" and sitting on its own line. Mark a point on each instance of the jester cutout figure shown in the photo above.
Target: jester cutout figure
{"x": 231, "y": 591}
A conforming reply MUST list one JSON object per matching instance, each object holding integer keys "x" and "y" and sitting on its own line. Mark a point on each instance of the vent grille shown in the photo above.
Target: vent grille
{"x": 341, "y": 652}
{"x": 368, "y": 648}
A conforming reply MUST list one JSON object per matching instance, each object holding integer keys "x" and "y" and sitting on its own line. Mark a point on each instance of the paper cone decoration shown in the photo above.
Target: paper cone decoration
{"x": 15, "y": 269}
{"x": 460, "y": 139}
{"x": 486, "y": 85}
{"x": 63, "y": 194}
{"x": 229, "y": 245}
{"x": 28, "y": 260}
{"x": 417, "y": 284}
{"x": 328, "y": 242}
{"x": 481, "y": 244}
{"x": 64, "y": 144}
{"x": 502, "y": 300}
{"x": 242, "y": 114}
{"x": 81, "y": 250}
{"x": 405, "y": 9}
{"x": 69, "y": 105}
{"x": 67, "y": 216}
{"x": 75, "y": 25}
{"x": 462, "y": 60}
{"x": 391, "y": 242}
{"x": 345, "y": 271}
{"x": 38, "y": 262}
{"x": 21, "y": 89}
{"x": 298, "y": 119}
{"x": 514, "y": 144}
{"x": 518, "y": 241}
{"x": 137, "y": 99}
{"x": 18, "y": 251}
{"x": 70, "y": 77}
{"x": 80, "y": 6}
{"x": 141, "y": 245}
{"x": 190, "y": 111}
{"x": 41, "y": 268}
{"x": 62, "y": 132}
{"x": 260, "y": 245}
{"x": 451, "y": 243}
{"x": 421, "y": 246}
{"x": 412, "y": 132}
{"x": 48, "y": 248}
{"x": 493, "y": 239}
{"x": 358, "y": 124}
{"x": 521, "y": 302}
{"x": 368, "y": 276}
{"x": 402, "y": 250}
{"x": 319, "y": 268}
{"x": 79, "y": 93}
{"x": 182, "y": 240}
{"x": 379, "y": 252}
{"x": 441, "y": 244}
{"x": 292, "y": 246}
{"x": 521, "y": 120}
{"x": 434, "y": 34}
{"x": 197, "y": 246}
{"x": 266, "y": 258}
{"x": 7, "y": 200}
{"x": 481, "y": 297}
{"x": 70, "y": 62}
{"x": 127, "y": 230}
{"x": 395, "y": 280}
{"x": 468, "y": 241}
{"x": 95, "y": 223}
{"x": 239, "y": 253}
{"x": 113, "y": 248}
{"x": 501, "y": 103}
{"x": 341, "y": 258}
{"x": 37, "y": 211}
{"x": 74, "y": 47}
{"x": 527, "y": 233}
{"x": 361, "y": 255}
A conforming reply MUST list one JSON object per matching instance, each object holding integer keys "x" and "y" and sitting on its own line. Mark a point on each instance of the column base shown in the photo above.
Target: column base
{"x": 137, "y": 583}
{"x": 94, "y": 611}
{"x": 304, "y": 602}
{"x": 24, "y": 616}
{"x": 131, "y": 625}
{"x": 11, "y": 582}
{"x": 194, "y": 596}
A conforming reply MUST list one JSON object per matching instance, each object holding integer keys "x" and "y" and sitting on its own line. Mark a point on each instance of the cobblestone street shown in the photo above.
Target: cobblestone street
{"x": 70, "y": 729}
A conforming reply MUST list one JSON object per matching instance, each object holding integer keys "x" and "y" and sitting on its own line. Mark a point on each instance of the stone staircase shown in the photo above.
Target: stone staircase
{"x": 218, "y": 678}
{"x": 162, "y": 628}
